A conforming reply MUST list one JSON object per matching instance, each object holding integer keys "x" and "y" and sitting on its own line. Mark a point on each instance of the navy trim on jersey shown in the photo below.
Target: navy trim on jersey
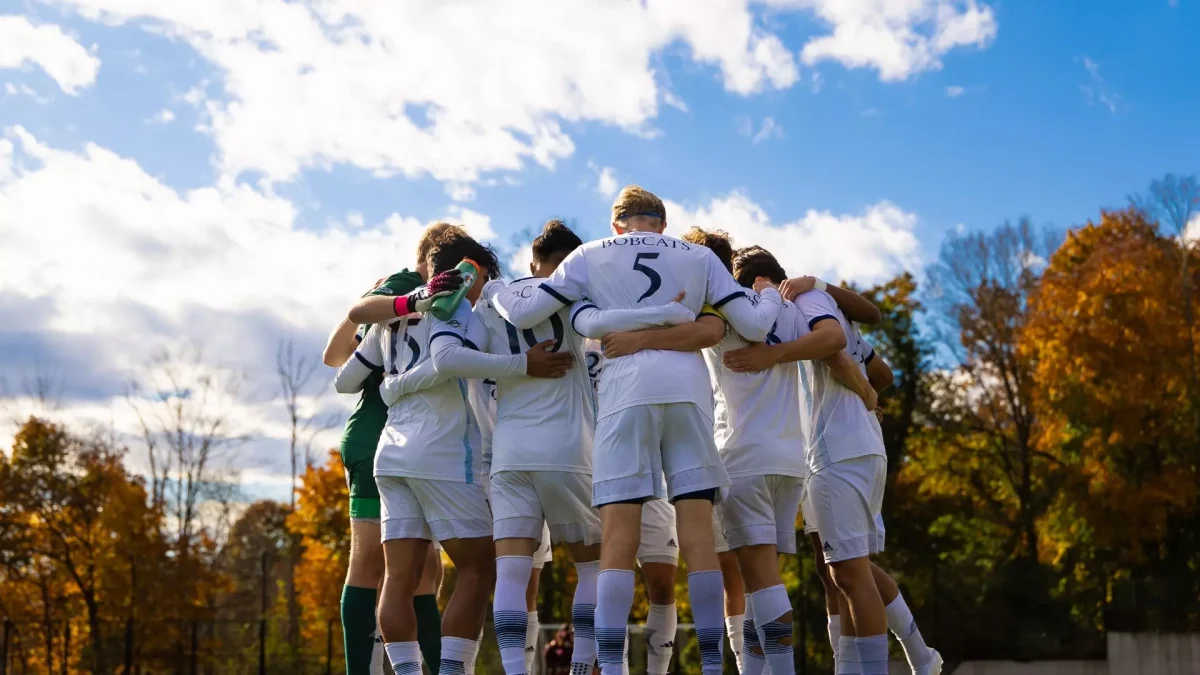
{"x": 452, "y": 334}
{"x": 729, "y": 298}
{"x": 870, "y": 357}
{"x": 358, "y": 338}
{"x": 522, "y": 279}
{"x": 576, "y": 313}
{"x": 414, "y": 321}
{"x": 470, "y": 344}
{"x": 362, "y": 359}
{"x": 557, "y": 296}
{"x": 716, "y": 314}
{"x": 817, "y": 319}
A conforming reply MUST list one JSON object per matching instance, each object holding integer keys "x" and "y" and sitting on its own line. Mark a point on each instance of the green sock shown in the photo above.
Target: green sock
{"x": 358, "y": 628}
{"x": 429, "y": 630}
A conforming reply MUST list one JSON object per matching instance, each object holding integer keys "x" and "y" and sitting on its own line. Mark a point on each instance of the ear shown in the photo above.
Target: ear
{"x": 533, "y": 269}
{"x": 663, "y": 227}
{"x": 617, "y": 229}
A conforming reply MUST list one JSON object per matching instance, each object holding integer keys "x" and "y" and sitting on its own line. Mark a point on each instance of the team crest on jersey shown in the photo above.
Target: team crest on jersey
{"x": 455, "y": 322}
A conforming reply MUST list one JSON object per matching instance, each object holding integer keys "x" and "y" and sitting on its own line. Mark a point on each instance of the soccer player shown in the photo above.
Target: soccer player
{"x": 657, "y": 554}
{"x": 922, "y": 659}
{"x": 428, "y": 469}
{"x": 762, "y": 445}
{"x": 541, "y": 462}
{"x": 847, "y": 468}
{"x": 655, "y": 409}
{"x": 357, "y": 448}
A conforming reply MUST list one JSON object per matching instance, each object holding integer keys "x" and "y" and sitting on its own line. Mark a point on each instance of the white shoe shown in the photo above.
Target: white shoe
{"x": 934, "y": 667}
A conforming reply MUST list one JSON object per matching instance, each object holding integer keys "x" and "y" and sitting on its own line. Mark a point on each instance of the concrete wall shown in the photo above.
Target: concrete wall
{"x": 1128, "y": 654}
{"x": 1035, "y": 668}
{"x": 1153, "y": 654}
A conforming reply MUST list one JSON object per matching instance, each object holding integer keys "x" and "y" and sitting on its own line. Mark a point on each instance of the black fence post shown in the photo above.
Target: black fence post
{"x": 328, "y": 647}
{"x": 66, "y": 659}
{"x": 4, "y": 647}
{"x": 262, "y": 620}
{"x": 194, "y": 644}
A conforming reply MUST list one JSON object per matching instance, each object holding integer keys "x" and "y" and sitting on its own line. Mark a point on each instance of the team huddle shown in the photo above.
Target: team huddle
{"x": 637, "y": 398}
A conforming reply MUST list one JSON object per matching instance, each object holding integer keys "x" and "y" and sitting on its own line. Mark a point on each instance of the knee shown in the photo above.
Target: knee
{"x": 478, "y": 577}
{"x": 848, "y": 576}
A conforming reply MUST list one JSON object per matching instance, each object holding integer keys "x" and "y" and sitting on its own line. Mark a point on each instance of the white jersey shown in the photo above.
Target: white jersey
{"x": 647, "y": 270}
{"x": 432, "y": 432}
{"x": 837, "y": 426}
{"x": 541, "y": 424}
{"x": 757, "y": 428}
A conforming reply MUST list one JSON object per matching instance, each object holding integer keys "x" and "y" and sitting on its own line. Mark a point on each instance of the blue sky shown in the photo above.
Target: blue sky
{"x": 256, "y": 164}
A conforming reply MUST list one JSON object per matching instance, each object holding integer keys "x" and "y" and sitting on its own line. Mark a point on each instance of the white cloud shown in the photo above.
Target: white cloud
{"x": 864, "y": 247}
{"x": 460, "y": 192}
{"x": 674, "y": 101}
{"x": 164, "y": 116}
{"x": 519, "y": 263}
{"x": 49, "y": 48}
{"x": 114, "y": 262}
{"x": 769, "y": 129}
{"x": 11, "y": 89}
{"x": 494, "y": 106}
{"x": 606, "y": 180}
{"x": 897, "y": 38}
{"x": 1097, "y": 90}
{"x": 954, "y": 91}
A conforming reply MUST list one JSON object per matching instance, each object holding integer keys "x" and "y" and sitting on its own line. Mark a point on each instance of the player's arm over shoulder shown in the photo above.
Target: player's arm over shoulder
{"x": 748, "y": 313}
{"x": 527, "y": 306}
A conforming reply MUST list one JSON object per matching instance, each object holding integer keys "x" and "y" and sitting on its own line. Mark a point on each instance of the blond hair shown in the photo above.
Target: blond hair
{"x": 717, "y": 241}
{"x": 635, "y": 200}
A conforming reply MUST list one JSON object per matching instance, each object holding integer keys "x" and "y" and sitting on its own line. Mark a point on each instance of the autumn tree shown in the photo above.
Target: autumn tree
{"x": 85, "y": 516}
{"x": 1110, "y": 336}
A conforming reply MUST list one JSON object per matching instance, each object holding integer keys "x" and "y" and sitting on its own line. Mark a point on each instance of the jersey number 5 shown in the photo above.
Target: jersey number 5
{"x": 655, "y": 280}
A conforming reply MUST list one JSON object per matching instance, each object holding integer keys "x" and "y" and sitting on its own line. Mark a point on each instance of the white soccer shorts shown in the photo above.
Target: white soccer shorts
{"x": 659, "y": 541}
{"x": 637, "y": 447}
{"x": 523, "y": 500}
{"x": 544, "y": 552}
{"x": 419, "y": 508}
{"x": 810, "y": 521}
{"x": 762, "y": 510}
{"x": 719, "y": 542}
{"x": 846, "y": 498}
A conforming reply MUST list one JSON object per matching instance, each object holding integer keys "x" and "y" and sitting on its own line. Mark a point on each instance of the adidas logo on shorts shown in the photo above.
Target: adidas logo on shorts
{"x": 671, "y": 543}
{"x": 828, "y": 547}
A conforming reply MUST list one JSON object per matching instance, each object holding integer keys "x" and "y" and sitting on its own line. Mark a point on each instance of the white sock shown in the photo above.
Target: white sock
{"x": 625, "y": 656}
{"x": 614, "y": 600}
{"x": 378, "y": 667}
{"x": 847, "y": 662}
{"x": 873, "y": 654}
{"x": 508, "y": 610}
{"x": 405, "y": 657}
{"x": 473, "y": 654}
{"x": 532, "y": 627}
{"x": 733, "y": 628}
{"x": 706, "y": 591}
{"x": 835, "y": 633}
{"x": 583, "y": 616}
{"x": 456, "y": 654}
{"x": 752, "y": 654}
{"x": 775, "y": 636}
{"x": 900, "y": 621}
{"x": 661, "y": 622}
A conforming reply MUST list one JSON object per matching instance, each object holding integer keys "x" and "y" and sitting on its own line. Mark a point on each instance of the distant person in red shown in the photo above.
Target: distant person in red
{"x": 558, "y": 652}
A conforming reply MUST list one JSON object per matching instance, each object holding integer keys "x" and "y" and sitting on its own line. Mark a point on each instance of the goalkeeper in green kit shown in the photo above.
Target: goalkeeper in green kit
{"x": 359, "y": 441}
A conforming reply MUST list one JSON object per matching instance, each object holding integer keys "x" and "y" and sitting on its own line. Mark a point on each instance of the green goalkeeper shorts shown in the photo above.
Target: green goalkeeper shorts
{"x": 360, "y": 478}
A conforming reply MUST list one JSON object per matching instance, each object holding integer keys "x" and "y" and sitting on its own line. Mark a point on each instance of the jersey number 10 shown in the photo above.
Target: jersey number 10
{"x": 514, "y": 340}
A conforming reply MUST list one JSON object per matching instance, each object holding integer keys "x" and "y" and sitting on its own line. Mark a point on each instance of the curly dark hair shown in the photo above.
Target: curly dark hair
{"x": 451, "y": 246}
